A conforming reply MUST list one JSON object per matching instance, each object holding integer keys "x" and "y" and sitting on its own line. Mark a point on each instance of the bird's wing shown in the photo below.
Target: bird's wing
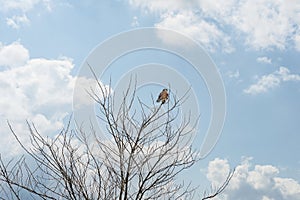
{"x": 159, "y": 97}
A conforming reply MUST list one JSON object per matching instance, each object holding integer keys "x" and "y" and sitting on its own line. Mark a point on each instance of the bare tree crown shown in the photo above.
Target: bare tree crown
{"x": 143, "y": 152}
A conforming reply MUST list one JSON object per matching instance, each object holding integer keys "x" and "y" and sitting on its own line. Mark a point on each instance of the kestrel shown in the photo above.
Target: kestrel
{"x": 163, "y": 96}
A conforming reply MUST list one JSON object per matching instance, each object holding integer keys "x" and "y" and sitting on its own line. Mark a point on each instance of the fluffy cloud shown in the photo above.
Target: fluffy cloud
{"x": 38, "y": 89}
{"x": 13, "y": 55}
{"x": 217, "y": 170}
{"x": 270, "y": 81}
{"x": 258, "y": 182}
{"x": 266, "y": 24}
{"x": 289, "y": 188}
{"x": 208, "y": 34}
{"x": 262, "y": 24}
{"x": 179, "y": 15}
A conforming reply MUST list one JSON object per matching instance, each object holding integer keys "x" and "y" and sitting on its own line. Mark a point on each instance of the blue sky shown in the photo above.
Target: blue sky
{"x": 254, "y": 44}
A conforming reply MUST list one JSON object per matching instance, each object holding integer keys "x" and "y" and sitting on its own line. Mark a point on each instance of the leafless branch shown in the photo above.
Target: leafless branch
{"x": 221, "y": 188}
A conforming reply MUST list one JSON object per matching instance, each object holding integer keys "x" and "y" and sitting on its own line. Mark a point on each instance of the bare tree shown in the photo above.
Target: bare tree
{"x": 145, "y": 149}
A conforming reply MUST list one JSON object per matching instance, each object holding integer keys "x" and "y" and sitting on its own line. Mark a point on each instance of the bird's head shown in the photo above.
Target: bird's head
{"x": 165, "y": 89}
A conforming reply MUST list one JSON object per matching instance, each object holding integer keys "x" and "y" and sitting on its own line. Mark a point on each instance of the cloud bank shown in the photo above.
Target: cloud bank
{"x": 260, "y": 24}
{"x": 36, "y": 89}
{"x": 258, "y": 182}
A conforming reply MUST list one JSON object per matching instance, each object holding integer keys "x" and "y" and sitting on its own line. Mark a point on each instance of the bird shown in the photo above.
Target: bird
{"x": 163, "y": 96}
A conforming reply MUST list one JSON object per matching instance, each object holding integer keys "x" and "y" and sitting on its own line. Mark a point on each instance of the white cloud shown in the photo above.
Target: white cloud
{"x": 217, "y": 170}
{"x": 17, "y": 21}
{"x": 258, "y": 182}
{"x": 208, "y": 34}
{"x": 264, "y": 59}
{"x": 40, "y": 90}
{"x": 15, "y": 11}
{"x": 23, "y": 5}
{"x": 285, "y": 74}
{"x": 161, "y": 6}
{"x": 261, "y": 177}
{"x": 265, "y": 83}
{"x": 288, "y": 187}
{"x": 87, "y": 87}
{"x": 262, "y": 24}
{"x": 266, "y": 23}
{"x": 13, "y": 55}
{"x": 217, "y": 9}
{"x": 273, "y": 80}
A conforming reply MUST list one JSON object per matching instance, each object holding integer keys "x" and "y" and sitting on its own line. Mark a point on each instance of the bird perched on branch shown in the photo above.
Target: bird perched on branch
{"x": 163, "y": 96}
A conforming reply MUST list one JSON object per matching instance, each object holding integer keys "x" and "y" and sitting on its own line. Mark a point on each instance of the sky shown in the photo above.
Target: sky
{"x": 254, "y": 44}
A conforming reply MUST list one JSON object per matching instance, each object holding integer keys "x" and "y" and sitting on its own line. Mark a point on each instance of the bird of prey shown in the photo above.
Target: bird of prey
{"x": 163, "y": 96}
